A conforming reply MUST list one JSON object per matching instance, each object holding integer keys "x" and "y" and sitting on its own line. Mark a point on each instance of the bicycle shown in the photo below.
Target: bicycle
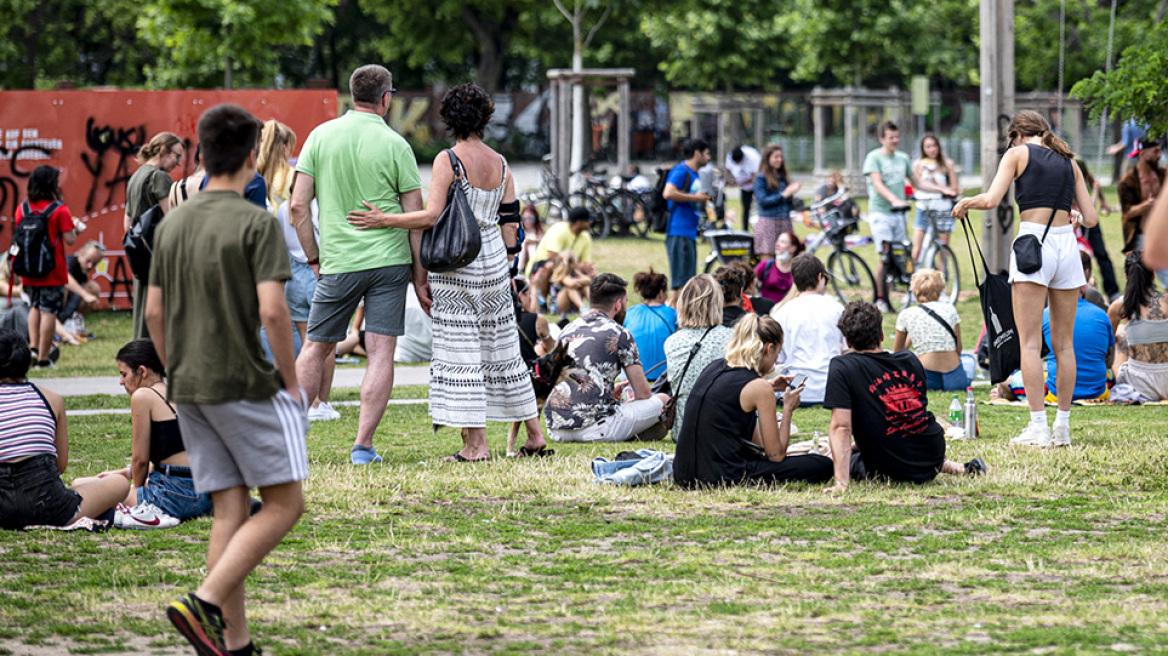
{"x": 553, "y": 203}
{"x": 899, "y": 265}
{"x": 629, "y": 213}
{"x": 850, "y": 277}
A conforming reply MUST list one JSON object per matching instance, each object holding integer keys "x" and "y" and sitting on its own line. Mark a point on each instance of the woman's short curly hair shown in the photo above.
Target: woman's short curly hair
{"x": 927, "y": 285}
{"x": 466, "y": 110}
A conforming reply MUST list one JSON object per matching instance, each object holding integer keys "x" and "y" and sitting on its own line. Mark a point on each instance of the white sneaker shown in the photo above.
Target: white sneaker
{"x": 144, "y": 517}
{"x": 323, "y": 412}
{"x": 1034, "y": 436}
{"x": 1061, "y": 435}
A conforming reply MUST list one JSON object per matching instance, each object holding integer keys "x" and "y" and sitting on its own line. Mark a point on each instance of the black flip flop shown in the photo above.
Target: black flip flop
{"x": 458, "y": 457}
{"x": 541, "y": 452}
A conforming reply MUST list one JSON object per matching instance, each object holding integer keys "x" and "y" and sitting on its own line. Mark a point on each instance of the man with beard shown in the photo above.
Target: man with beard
{"x": 586, "y": 404}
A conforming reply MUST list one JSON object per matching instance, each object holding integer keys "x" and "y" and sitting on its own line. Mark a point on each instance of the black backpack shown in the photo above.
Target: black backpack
{"x": 33, "y": 251}
{"x": 658, "y": 206}
{"x": 139, "y": 242}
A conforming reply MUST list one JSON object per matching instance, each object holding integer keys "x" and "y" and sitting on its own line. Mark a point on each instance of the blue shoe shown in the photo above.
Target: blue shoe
{"x": 363, "y": 455}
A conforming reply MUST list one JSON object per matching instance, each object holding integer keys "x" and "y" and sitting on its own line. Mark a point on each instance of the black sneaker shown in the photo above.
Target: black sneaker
{"x": 976, "y": 467}
{"x": 200, "y": 624}
{"x": 54, "y": 353}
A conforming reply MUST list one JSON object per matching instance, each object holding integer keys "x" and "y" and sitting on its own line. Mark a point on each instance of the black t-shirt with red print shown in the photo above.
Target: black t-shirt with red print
{"x": 897, "y": 435}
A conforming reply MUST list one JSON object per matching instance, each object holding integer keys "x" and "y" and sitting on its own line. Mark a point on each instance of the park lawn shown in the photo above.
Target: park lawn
{"x": 1052, "y": 552}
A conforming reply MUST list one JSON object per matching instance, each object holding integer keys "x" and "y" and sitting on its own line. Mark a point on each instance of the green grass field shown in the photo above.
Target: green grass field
{"x": 1054, "y": 552}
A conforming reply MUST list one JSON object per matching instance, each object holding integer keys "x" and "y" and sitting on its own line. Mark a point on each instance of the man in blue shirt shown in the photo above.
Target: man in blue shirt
{"x": 683, "y": 190}
{"x": 1094, "y": 353}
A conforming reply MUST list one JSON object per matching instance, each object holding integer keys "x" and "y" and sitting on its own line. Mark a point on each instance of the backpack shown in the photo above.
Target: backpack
{"x": 658, "y": 206}
{"x": 33, "y": 251}
{"x": 139, "y": 242}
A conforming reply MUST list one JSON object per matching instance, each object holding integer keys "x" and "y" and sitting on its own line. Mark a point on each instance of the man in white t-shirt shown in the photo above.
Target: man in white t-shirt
{"x": 811, "y": 335}
{"x": 741, "y": 167}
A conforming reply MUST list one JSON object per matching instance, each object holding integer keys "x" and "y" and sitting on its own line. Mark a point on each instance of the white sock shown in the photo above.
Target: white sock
{"x": 1038, "y": 418}
{"x": 1062, "y": 418}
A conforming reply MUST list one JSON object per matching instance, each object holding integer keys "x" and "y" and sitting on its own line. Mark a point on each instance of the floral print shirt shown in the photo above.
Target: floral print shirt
{"x": 600, "y": 349}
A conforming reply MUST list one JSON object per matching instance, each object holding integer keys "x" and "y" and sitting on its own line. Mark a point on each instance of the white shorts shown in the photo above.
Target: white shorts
{"x": 1061, "y": 266}
{"x": 887, "y": 228}
{"x": 630, "y": 418}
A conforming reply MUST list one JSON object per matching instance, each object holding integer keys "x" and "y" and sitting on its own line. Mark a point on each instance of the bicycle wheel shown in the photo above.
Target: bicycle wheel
{"x": 851, "y": 279}
{"x": 629, "y": 212}
{"x": 601, "y": 224}
{"x": 945, "y": 261}
{"x": 550, "y": 209}
{"x": 899, "y": 297}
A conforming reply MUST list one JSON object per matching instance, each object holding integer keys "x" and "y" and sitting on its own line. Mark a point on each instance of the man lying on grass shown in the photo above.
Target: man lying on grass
{"x": 879, "y": 399}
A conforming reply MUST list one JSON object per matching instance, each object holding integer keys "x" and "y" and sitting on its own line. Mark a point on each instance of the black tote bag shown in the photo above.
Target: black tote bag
{"x": 454, "y": 241}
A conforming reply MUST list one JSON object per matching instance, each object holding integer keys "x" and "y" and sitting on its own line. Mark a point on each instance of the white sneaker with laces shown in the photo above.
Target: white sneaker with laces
{"x": 144, "y": 517}
{"x": 323, "y": 412}
{"x": 1061, "y": 435}
{"x": 1033, "y": 436}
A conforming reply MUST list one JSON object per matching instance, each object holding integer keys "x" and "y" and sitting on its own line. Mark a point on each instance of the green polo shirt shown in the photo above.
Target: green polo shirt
{"x": 355, "y": 158}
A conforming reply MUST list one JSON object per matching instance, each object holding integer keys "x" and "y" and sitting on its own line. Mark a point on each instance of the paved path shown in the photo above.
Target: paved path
{"x": 345, "y": 378}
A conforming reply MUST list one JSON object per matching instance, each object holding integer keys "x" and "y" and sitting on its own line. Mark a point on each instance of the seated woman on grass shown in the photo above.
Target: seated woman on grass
{"x": 163, "y": 492}
{"x": 933, "y": 330}
{"x": 34, "y": 451}
{"x": 571, "y": 284}
{"x": 732, "y": 433}
{"x": 1143, "y": 341}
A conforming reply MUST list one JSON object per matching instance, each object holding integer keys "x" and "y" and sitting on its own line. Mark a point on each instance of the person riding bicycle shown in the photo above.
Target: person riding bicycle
{"x": 937, "y": 186}
{"x": 886, "y": 170}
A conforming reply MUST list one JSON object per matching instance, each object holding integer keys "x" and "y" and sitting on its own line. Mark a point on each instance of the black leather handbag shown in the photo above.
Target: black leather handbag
{"x": 1028, "y": 248}
{"x": 454, "y": 241}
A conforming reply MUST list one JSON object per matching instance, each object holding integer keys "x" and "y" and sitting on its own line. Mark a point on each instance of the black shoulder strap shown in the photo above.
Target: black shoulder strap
{"x": 693, "y": 350}
{"x": 455, "y": 164}
{"x": 952, "y": 333}
{"x": 165, "y": 401}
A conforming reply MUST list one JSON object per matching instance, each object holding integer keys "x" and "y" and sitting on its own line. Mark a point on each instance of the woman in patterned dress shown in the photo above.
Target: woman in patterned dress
{"x": 477, "y": 373}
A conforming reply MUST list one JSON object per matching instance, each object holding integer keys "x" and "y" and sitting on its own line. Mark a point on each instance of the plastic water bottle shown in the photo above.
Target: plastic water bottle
{"x": 955, "y": 417}
{"x": 970, "y": 423}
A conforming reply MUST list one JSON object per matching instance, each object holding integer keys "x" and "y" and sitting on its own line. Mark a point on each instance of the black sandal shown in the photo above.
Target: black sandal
{"x": 541, "y": 452}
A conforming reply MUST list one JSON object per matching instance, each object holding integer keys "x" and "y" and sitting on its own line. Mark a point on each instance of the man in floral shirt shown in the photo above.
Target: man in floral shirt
{"x": 585, "y": 406}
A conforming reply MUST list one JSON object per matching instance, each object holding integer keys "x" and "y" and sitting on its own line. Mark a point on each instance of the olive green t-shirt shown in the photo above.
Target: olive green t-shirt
{"x": 355, "y": 158}
{"x": 209, "y": 255}
{"x": 145, "y": 188}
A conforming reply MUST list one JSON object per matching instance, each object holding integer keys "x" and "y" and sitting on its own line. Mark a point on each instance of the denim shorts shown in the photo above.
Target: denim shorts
{"x": 683, "y": 259}
{"x": 173, "y": 490}
{"x": 337, "y": 295}
{"x": 32, "y": 493}
{"x": 299, "y": 290}
{"x": 949, "y": 381}
{"x": 46, "y": 299}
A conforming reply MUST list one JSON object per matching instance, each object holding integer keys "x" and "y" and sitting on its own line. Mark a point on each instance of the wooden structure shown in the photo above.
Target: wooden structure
{"x": 856, "y": 102}
{"x": 560, "y": 111}
{"x": 722, "y": 108}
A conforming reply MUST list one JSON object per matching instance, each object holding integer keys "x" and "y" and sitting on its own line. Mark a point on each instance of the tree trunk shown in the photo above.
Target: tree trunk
{"x": 580, "y": 130}
{"x": 492, "y": 37}
{"x": 227, "y": 65}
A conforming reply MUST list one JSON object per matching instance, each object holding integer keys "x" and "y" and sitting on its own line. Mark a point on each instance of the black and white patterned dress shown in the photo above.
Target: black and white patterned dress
{"x": 477, "y": 373}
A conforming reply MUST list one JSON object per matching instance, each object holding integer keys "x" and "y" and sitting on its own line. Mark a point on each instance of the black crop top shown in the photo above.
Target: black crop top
{"x": 165, "y": 438}
{"x": 1039, "y": 184}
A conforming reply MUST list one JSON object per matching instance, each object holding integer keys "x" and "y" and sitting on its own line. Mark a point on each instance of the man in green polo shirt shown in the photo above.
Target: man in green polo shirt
{"x": 357, "y": 162}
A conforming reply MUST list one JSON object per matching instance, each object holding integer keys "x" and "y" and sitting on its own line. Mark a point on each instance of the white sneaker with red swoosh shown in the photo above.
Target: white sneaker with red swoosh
{"x": 144, "y": 517}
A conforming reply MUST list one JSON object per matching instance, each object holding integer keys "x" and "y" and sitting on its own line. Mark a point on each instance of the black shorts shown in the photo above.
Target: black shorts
{"x": 32, "y": 493}
{"x": 46, "y": 299}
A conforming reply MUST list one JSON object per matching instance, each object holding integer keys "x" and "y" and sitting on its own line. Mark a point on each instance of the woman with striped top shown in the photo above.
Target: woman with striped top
{"x": 34, "y": 451}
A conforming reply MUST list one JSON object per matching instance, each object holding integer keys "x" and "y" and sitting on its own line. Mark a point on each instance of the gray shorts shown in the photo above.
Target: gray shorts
{"x": 337, "y": 295}
{"x": 246, "y": 443}
{"x": 46, "y": 299}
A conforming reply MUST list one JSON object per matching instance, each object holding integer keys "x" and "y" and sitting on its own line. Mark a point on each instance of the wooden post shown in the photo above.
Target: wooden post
{"x": 819, "y": 134}
{"x": 997, "y": 100}
{"x": 624, "y": 124}
{"x": 564, "y": 166}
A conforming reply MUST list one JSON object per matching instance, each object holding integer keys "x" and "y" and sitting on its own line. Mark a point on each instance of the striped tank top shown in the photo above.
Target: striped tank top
{"x": 27, "y": 425}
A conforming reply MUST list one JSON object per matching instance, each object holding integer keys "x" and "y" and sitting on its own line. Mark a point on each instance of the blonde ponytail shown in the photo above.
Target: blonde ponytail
{"x": 750, "y": 333}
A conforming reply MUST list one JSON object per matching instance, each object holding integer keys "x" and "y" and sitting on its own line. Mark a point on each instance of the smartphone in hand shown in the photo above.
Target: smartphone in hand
{"x": 798, "y": 381}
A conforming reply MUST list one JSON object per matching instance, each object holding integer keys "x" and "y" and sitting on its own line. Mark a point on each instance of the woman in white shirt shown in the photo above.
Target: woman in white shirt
{"x": 933, "y": 330}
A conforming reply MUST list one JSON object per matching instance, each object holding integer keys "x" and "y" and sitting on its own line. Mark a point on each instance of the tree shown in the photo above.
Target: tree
{"x": 202, "y": 42}
{"x": 1135, "y": 87}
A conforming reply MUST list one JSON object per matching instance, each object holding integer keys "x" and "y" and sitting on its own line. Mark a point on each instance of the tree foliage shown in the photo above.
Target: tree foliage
{"x": 1136, "y": 87}
{"x": 196, "y": 40}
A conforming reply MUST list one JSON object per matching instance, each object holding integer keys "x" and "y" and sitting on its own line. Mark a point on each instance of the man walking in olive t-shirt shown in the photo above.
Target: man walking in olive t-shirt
{"x": 357, "y": 163}
{"x": 217, "y": 275}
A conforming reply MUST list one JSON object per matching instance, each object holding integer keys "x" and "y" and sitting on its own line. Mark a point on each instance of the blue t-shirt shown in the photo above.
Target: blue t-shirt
{"x": 650, "y": 327}
{"x": 1093, "y": 338}
{"x": 683, "y": 217}
{"x": 256, "y": 191}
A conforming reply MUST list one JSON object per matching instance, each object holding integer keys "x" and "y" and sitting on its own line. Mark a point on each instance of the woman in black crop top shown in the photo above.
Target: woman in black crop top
{"x": 1047, "y": 183}
{"x": 162, "y": 492}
